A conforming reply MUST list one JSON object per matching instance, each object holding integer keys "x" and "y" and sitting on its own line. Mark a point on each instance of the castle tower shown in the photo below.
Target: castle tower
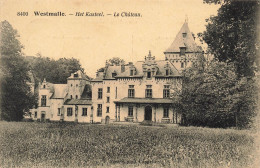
{"x": 183, "y": 50}
{"x": 76, "y": 84}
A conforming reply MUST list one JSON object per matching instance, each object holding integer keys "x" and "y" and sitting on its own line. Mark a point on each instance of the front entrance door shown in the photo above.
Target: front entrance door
{"x": 107, "y": 119}
{"x": 42, "y": 116}
{"x": 148, "y": 113}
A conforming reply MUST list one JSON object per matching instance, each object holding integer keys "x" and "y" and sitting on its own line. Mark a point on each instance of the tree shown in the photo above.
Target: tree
{"x": 116, "y": 61}
{"x": 54, "y": 71}
{"x": 232, "y": 35}
{"x": 15, "y": 92}
{"x": 204, "y": 94}
{"x": 113, "y": 61}
{"x": 212, "y": 95}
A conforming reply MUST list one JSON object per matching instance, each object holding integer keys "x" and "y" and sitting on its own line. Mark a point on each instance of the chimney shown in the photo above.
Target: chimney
{"x": 122, "y": 68}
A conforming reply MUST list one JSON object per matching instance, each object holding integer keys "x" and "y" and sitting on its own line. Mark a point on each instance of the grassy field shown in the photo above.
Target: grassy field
{"x": 84, "y": 145}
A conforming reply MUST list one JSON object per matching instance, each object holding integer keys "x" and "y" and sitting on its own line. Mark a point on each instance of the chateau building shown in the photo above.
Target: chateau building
{"x": 132, "y": 92}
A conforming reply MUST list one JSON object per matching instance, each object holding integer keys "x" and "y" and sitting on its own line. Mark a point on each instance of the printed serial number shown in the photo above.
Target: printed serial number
{"x": 22, "y": 13}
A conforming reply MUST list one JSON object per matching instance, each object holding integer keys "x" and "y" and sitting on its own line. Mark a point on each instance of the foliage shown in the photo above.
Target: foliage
{"x": 116, "y": 61}
{"x": 113, "y": 61}
{"x": 232, "y": 34}
{"x": 54, "y": 71}
{"x": 15, "y": 92}
{"x": 213, "y": 96}
{"x": 246, "y": 98}
{"x": 85, "y": 145}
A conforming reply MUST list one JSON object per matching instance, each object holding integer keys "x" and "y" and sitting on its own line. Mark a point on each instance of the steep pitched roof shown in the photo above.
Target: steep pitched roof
{"x": 86, "y": 94}
{"x": 78, "y": 102}
{"x": 138, "y": 66}
{"x": 60, "y": 91}
{"x": 77, "y": 75}
{"x": 181, "y": 41}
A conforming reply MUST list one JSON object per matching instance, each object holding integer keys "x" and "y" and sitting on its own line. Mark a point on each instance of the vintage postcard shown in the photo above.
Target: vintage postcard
{"x": 132, "y": 83}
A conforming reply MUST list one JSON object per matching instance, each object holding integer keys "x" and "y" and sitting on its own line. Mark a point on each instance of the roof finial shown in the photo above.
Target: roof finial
{"x": 186, "y": 18}
{"x": 149, "y": 55}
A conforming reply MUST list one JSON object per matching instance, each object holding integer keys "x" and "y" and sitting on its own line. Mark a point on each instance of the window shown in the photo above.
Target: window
{"x": 44, "y": 86}
{"x": 35, "y": 114}
{"x": 184, "y": 35}
{"x": 108, "y": 99}
{"x": 70, "y": 96}
{"x": 76, "y": 96}
{"x": 166, "y": 91}
{"x": 77, "y": 85}
{"x": 116, "y": 93}
{"x": 43, "y": 100}
{"x": 108, "y": 89}
{"x": 148, "y": 74}
{"x": 131, "y": 91}
{"x": 71, "y": 85}
{"x": 76, "y": 75}
{"x": 100, "y": 90}
{"x": 69, "y": 111}
{"x": 166, "y": 113}
{"x": 148, "y": 91}
{"x": 130, "y": 111}
{"x": 167, "y": 72}
{"x": 59, "y": 111}
{"x": 113, "y": 75}
{"x": 131, "y": 72}
{"x": 182, "y": 50}
{"x": 99, "y": 110}
{"x": 107, "y": 109}
{"x": 84, "y": 111}
{"x": 182, "y": 64}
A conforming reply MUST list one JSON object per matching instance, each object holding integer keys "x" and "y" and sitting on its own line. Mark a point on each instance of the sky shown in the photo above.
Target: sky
{"x": 93, "y": 40}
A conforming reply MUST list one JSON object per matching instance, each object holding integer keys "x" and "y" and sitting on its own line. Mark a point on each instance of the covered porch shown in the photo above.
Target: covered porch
{"x": 146, "y": 109}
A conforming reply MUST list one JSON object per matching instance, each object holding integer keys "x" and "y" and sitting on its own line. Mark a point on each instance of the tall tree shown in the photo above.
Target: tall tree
{"x": 55, "y": 71}
{"x": 15, "y": 92}
{"x": 205, "y": 94}
{"x": 232, "y": 34}
{"x": 212, "y": 95}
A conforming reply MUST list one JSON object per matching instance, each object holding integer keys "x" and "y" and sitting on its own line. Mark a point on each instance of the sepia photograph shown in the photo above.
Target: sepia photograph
{"x": 129, "y": 83}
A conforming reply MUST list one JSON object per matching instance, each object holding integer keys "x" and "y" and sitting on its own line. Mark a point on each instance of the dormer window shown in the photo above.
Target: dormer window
{"x": 182, "y": 65}
{"x": 184, "y": 35}
{"x": 44, "y": 86}
{"x": 182, "y": 50}
{"x": 76, "y": 75}
{"x": 167, "y": 72}
{"x": 113, "y": 74}
{"x": 131, "y": 72}
{"x": 149, "y": 75}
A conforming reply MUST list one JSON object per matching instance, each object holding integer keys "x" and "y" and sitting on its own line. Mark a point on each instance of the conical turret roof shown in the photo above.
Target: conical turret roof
{"x": 184, "y": 39}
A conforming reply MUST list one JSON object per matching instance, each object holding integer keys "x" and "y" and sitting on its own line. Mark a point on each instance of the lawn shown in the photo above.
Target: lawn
{"x": 84, "y": 145}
